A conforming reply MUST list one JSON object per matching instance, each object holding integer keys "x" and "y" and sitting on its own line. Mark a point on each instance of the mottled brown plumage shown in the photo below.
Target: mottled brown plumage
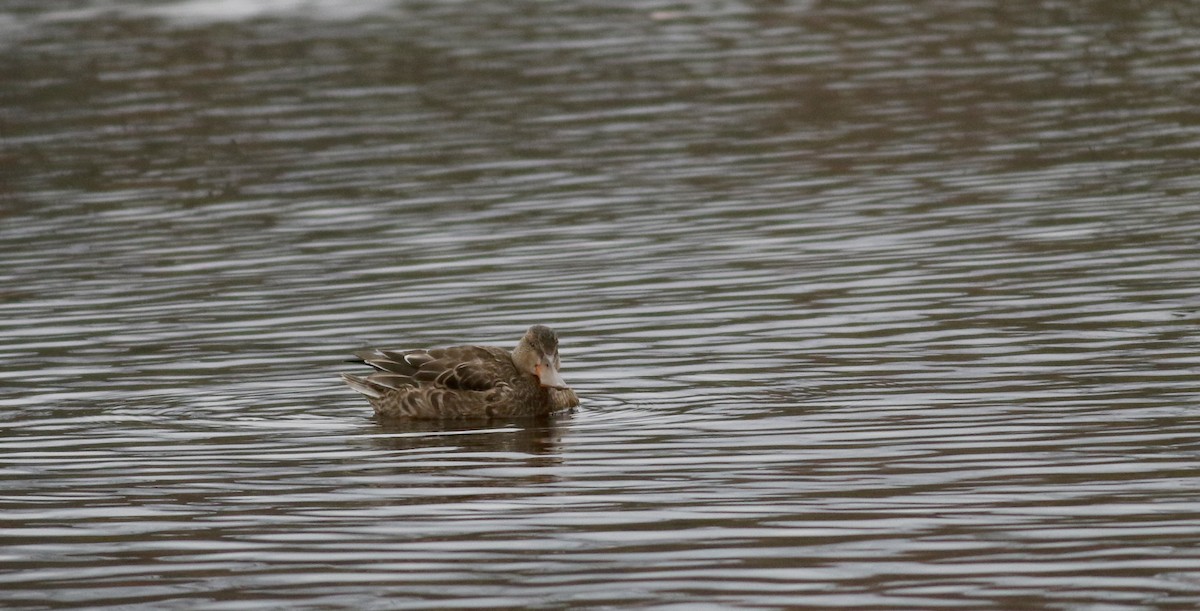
{"x": 462, "y": 382}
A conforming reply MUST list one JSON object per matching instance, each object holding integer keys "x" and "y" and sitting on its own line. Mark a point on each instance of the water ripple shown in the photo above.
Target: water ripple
{"x": 885, "y": 306}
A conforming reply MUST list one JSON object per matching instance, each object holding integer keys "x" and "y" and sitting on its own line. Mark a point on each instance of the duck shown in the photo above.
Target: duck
{"x": 467, "y": 382}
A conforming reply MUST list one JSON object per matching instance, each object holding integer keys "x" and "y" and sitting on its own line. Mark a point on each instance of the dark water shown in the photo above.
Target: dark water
{"x": 873, "y": 305}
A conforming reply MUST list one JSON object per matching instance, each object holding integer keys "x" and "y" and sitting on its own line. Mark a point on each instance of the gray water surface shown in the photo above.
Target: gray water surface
{"x": 872, "y": 305}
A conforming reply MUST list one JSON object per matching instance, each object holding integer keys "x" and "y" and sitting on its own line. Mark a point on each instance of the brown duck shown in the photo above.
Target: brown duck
{"x": 463, "y": 382}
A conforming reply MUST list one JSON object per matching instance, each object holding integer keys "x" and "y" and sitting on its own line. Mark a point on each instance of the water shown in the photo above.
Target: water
{"x": 876, "y": 305}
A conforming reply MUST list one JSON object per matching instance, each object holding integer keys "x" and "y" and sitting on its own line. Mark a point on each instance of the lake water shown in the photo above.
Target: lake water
{"x": 871, "y": 305}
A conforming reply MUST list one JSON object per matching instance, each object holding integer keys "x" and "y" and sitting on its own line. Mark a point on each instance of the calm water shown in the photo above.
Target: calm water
{"x": 875, "y": 305}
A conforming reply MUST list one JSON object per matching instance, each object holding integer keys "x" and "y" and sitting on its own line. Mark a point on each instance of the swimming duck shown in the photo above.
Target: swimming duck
{"x": 463, "y": 382}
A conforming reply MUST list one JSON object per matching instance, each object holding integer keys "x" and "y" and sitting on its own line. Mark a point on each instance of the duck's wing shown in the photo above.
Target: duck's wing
{"x": 441, "y": 383}
{"x": 461, "y": 368}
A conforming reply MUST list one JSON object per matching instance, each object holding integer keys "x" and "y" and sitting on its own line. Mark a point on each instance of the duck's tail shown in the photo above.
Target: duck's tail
{"x": 364, "y": 386}
{"x": 377, "y": 384}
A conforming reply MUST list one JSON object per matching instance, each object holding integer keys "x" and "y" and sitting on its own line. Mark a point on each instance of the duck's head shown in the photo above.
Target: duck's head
{"x": 537, "y": 354}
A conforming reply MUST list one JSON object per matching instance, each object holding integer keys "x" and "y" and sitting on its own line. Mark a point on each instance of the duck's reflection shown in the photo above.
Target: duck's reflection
{"x": 540, "y": 436}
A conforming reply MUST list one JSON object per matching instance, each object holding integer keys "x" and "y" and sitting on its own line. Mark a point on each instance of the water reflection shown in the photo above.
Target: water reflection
{"x": 536, "y": 437}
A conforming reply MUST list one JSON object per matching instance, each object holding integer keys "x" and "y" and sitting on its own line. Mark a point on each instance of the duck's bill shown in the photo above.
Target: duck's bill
{"x": 549, "y": 377}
